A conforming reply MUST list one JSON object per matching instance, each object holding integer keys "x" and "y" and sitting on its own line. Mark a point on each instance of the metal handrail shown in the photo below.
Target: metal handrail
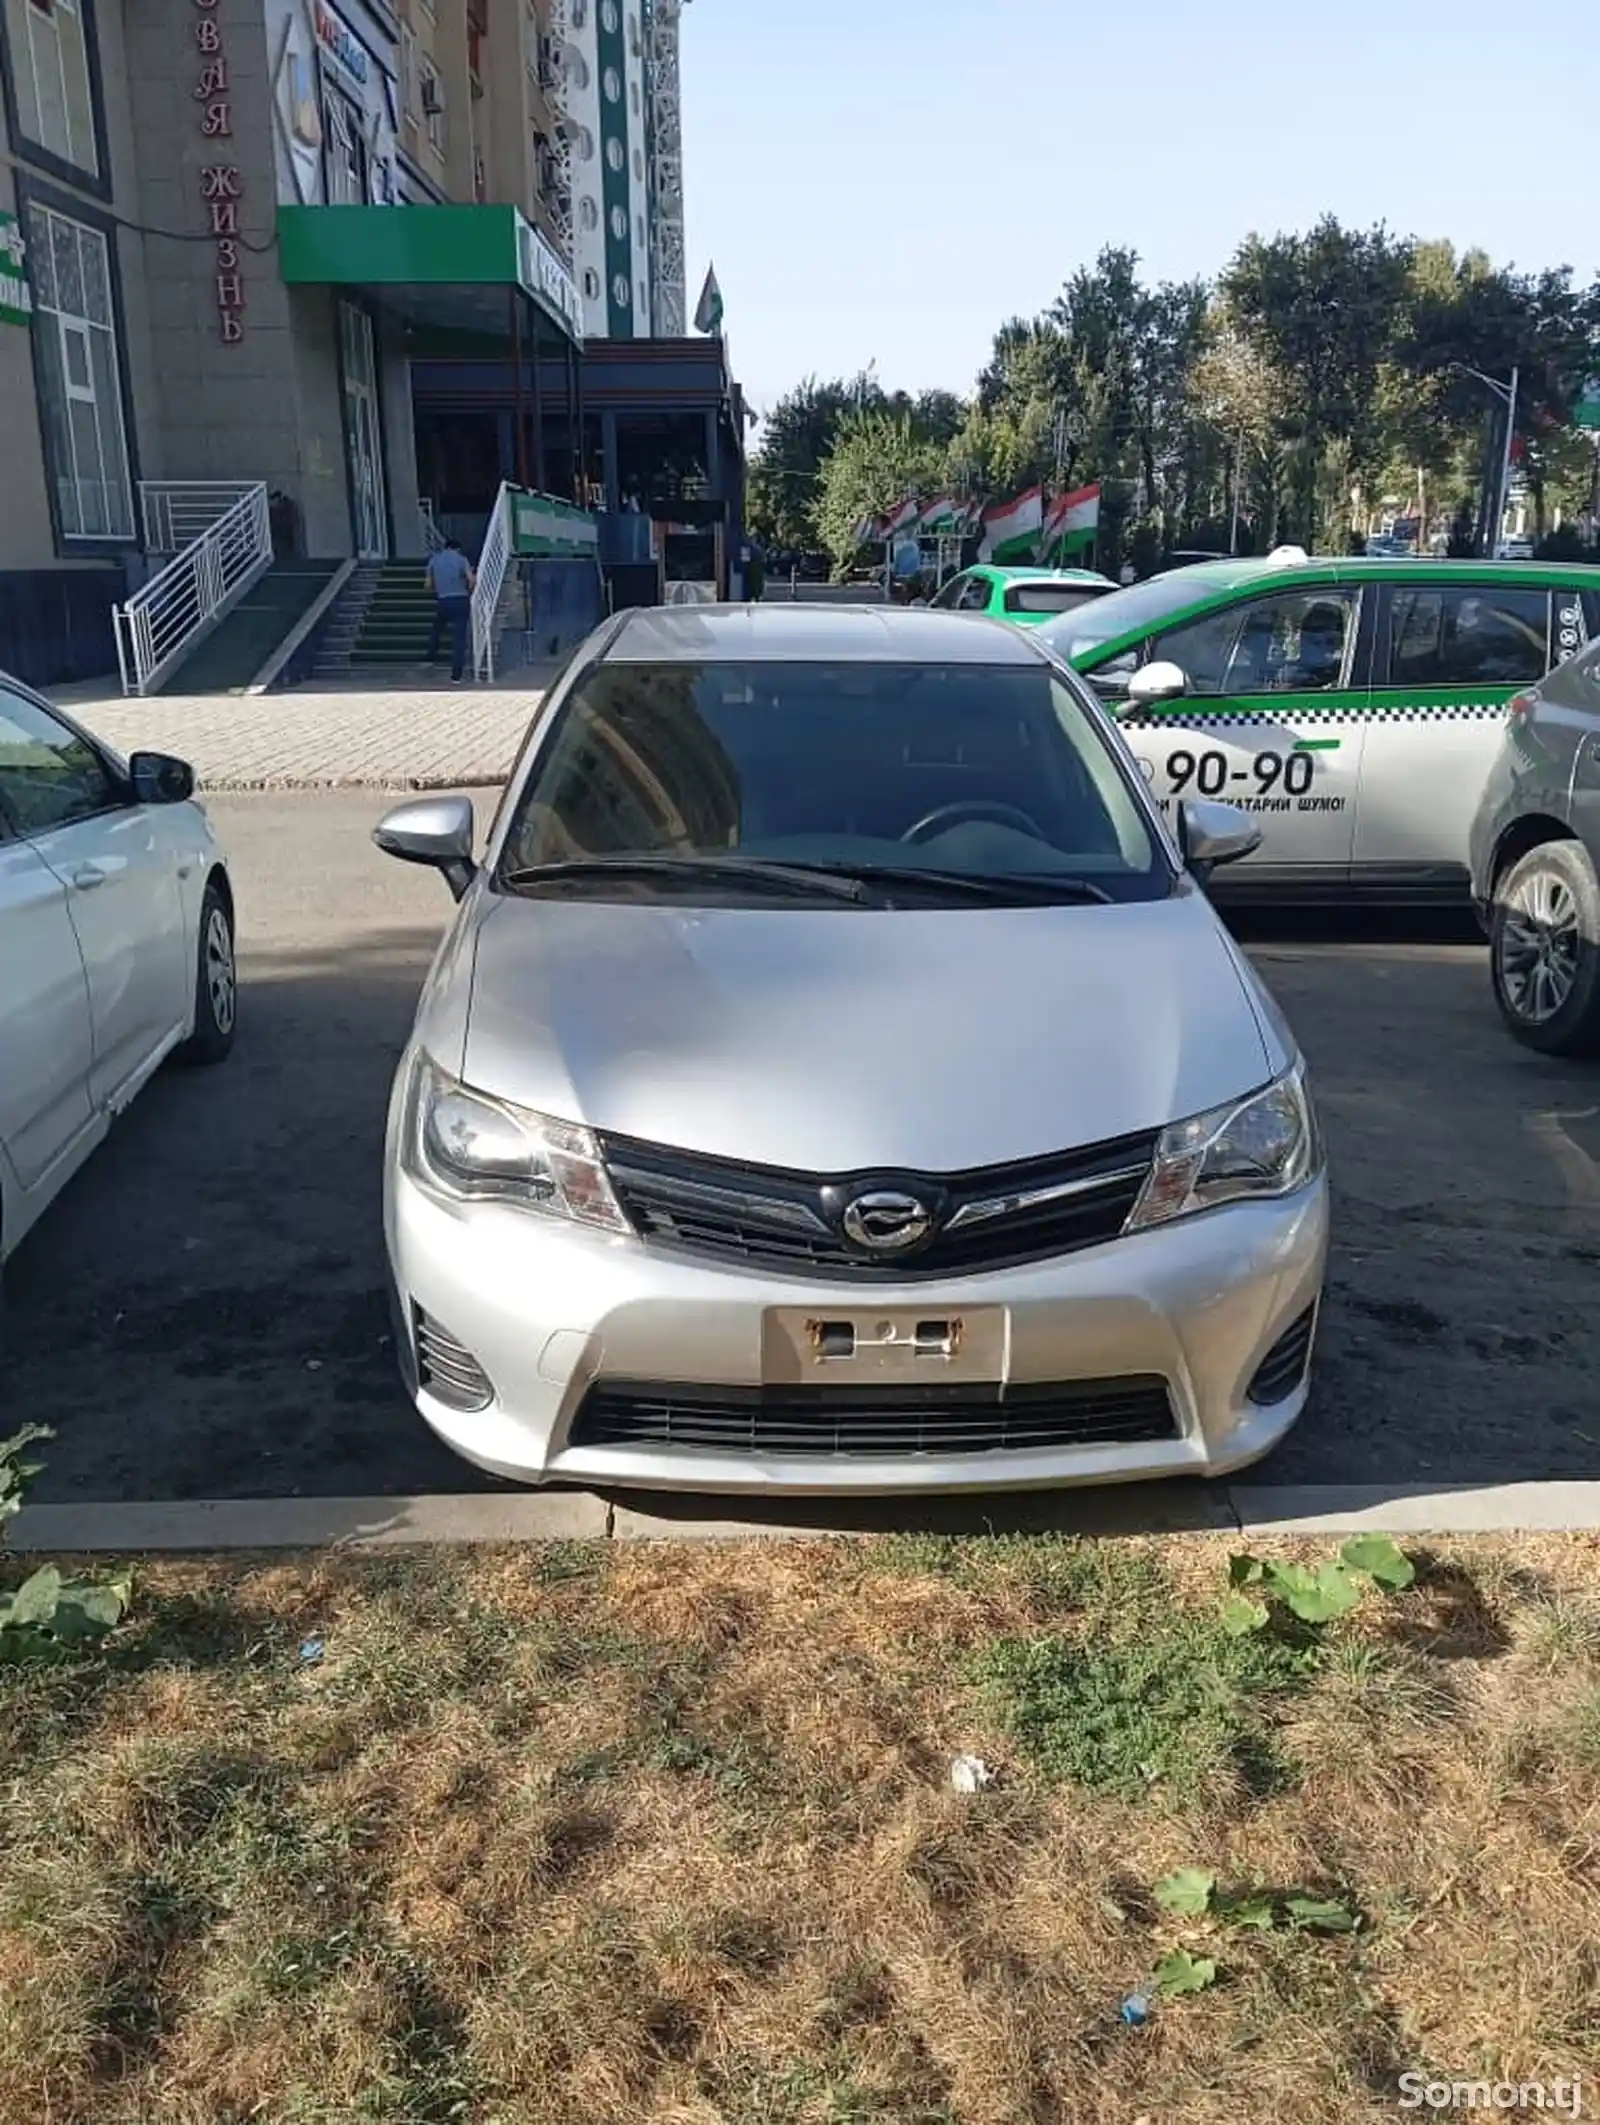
{"x": 432, "y": 536}
{"x": 493, "y": 560}
{"x": 177, "y": 512}
{"x": 163, "y": 619}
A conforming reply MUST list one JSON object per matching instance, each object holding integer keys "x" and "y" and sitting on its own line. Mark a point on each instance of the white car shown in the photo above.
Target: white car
{"x": 116, "y": 942}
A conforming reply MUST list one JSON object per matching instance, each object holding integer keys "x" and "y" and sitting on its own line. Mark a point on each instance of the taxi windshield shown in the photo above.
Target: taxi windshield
{"x": 1143, "y": 608}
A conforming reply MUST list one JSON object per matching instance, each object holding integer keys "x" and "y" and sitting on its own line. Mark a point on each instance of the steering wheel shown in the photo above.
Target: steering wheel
{"x": 959, "y": 813}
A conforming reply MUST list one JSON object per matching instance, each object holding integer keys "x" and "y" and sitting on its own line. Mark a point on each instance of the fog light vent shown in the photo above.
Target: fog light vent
{"x": 1284, "y": 1366}
{"x": 446, "y": 1368}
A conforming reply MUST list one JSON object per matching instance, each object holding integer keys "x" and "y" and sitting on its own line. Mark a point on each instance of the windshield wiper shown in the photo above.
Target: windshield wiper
{"x": 1019, "y": 886}
{"x": 730, "y": 870}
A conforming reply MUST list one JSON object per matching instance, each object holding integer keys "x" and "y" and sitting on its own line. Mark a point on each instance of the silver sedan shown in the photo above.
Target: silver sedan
{"x": 836, "y": 1079}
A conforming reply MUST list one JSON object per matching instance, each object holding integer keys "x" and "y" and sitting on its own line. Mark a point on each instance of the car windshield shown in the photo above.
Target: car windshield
{"x": 1142, "y": 608}
{"x": 996, "y": 773}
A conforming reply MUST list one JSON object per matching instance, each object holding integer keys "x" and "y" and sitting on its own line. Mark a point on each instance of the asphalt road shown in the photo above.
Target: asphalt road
{"x": 201, "y": 1315}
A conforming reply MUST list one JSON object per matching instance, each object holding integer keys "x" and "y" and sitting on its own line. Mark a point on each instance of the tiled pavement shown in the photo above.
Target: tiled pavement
{"x": 389, "y": 738}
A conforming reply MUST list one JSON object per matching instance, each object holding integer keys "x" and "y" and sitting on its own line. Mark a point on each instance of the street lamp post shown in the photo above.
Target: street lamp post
{"x": 1507, "y": 395}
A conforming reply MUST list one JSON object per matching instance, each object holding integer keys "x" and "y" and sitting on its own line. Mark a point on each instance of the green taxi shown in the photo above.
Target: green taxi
{"x": 1025, "y": 596}
{"x": 1354, "y": 706}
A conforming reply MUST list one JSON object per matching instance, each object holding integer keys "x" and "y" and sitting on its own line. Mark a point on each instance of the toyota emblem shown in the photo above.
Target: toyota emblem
{"x": 886, "y": 1222}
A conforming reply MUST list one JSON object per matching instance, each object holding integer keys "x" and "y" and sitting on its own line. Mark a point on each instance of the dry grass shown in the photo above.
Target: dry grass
{"x": 596, "y": 1836}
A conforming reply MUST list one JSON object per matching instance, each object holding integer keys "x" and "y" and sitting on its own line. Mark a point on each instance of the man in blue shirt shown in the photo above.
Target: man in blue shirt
{"x": 450, "y": 578}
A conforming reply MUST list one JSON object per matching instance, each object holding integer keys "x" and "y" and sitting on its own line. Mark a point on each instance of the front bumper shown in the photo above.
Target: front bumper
{"x": 548, "y": 1310}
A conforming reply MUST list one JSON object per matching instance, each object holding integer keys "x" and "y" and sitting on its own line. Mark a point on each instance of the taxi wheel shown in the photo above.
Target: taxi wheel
{"x": 1544, "y": 949}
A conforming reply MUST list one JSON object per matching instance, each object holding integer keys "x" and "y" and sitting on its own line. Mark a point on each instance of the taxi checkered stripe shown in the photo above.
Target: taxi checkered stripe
{"x": 1294, "y": 711}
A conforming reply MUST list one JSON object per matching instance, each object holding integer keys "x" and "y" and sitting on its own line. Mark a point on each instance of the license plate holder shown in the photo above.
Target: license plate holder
{"x": 885, "y": 1346}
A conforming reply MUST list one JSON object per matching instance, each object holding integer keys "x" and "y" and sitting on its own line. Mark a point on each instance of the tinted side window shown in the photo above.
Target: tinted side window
{"x": 49, "y": 776}
{"x": 1465, "y": 636}
{"x": 949, "y": 599}
{"x": 1202, "y": 648}
{"x": 975, "y": 598}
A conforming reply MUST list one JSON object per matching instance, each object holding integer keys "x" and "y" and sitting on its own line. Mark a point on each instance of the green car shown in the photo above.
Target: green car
{"x": 1354, "y": 706}
{"x": 1025, "y": 596}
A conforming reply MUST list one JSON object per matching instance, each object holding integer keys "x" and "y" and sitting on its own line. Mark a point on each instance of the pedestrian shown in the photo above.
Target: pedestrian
{"x": 451, "y": 579}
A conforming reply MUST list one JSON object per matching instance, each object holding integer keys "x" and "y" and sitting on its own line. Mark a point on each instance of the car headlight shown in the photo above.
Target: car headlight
{"x": 468, "y": 1146}
{"x": 1265, "y": 1145}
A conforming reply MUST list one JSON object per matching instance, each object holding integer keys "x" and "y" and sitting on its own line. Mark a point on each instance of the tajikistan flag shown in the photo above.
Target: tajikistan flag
{"x": 1073, "y": 521}
{"x": 938, "y": 517}
{"x": 902, "y": 514}
{"x": 1011, "y": 529}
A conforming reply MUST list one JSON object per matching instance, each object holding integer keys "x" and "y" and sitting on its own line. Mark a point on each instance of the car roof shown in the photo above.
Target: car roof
{"x": 1037, "y": 575}
{"x": 804, "y": 633}
{"x": 1217, "y": 578}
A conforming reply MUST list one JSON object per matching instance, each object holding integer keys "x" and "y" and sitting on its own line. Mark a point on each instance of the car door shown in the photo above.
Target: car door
{"x": 46, "y": 1039}
{"x": 1449, "y": 656}
{"x": 75, "y": 810}
{"x": 1272, "y": 722}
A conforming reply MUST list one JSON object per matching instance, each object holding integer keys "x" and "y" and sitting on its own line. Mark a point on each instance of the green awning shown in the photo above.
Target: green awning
{"x": 446, "y": 266}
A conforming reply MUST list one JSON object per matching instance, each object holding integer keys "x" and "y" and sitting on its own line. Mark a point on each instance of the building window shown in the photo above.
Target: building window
{"x": 347, "y": 179}
{"x": 611, "y": 85}
{"x": 75, "y": 331}
{"x": 591, "y": 284}
{"x": 432, "y": 91}
{"x": 577, "y": 69}
{"x": 408, "y": 71}
{"x": 609, "y": 17}
{"x": 588, "y": 214}
{"x": 619, "y": 223}
{"x": 616, "y": 154}
{"x": 633, "y": 96}
{"x": 582, "y": 142}
{"x": 577, "y": 13}
{"x": 50, "y": 73}
{"x": 638, "y": 164}
{"x": 621, "y": 290}
{"x": 638, "y": 230}
{"x": 633, "y": 35}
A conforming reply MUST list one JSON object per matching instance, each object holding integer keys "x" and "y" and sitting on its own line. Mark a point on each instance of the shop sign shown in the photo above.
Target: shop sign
{"x": 16, "y": 296}
{"x": 543, "y": 274}
{"x": 221, "y": 186}
{"x": 341, "y": 43}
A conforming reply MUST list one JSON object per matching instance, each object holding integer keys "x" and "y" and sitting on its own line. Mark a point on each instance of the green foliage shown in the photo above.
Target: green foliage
{"x": 47, "y": 1614}
{"x": 1193, "y": 1893}
{"x": 1315, "y": 1597}
{"x": 1326, "y": 375}
{"x": 1153, "y": 1699}
{"x": 877, "y": 459}
{"x": 1181, "y": 1972}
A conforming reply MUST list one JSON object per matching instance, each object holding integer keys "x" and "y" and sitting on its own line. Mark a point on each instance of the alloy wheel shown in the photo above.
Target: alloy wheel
{"x": 1540, "y": 946}
{"x": 221, "y": 979}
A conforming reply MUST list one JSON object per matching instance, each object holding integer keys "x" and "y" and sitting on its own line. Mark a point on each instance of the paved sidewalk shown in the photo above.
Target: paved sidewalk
{"x": 394, "y": 738}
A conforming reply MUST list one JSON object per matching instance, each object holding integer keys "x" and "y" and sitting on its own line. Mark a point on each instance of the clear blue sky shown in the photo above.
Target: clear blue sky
{"x": 889, "y": 180}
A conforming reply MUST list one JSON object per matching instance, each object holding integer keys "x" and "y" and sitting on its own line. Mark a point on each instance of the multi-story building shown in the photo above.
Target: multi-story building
{"x": 251, "y": 241}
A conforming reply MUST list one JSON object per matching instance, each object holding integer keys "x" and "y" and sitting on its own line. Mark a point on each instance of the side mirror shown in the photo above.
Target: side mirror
{"x": 1156, "y": 682}
{"x": 437, "y": 831}
{"x": 160, "y": 778}
{"x": 1209, "y": 834}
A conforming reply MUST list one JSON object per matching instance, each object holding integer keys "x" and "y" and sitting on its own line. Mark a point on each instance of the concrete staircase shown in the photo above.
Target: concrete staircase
{"x": 396, "y": 620}
{"x": 341, "y": 629}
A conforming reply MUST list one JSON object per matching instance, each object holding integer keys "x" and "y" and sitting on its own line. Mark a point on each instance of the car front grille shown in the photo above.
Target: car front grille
{"x": 860, "y": 1421}
{"x": 446, "y": 1368}
{"x": 1284, "y": 1366}
{"x": 992, "y": 1217}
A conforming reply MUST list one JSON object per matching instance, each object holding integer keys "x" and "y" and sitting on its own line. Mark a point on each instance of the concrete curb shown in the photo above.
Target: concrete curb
{"x": 202, "y": 1525}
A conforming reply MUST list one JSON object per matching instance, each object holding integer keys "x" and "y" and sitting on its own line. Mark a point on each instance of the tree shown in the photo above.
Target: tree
{"x": 1324, "y": 310}
{"x": 785, "y": 473}
{"x": 877, "y": 459}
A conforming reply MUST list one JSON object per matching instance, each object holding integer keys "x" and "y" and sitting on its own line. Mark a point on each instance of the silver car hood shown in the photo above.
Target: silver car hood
{"x": 835, "y": 1040}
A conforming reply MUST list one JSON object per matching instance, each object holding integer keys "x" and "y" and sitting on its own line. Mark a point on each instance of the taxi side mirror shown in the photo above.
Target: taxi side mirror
{"x": 1156, "y": 682}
